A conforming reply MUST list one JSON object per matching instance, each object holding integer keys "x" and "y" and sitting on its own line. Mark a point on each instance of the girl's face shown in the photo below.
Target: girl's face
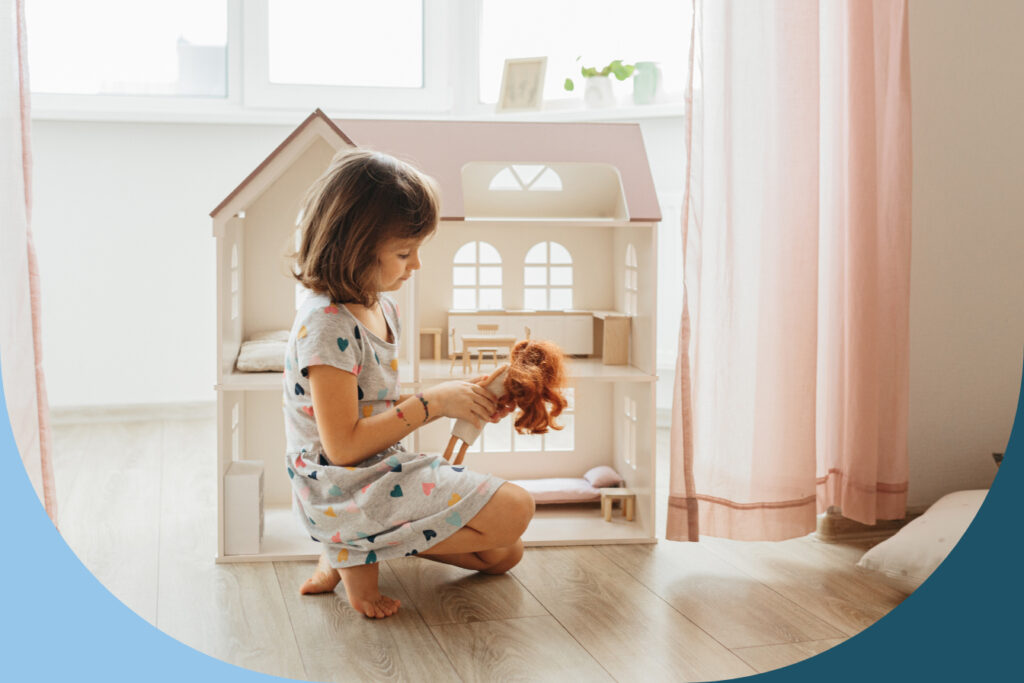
{"x": 396, "y": 259}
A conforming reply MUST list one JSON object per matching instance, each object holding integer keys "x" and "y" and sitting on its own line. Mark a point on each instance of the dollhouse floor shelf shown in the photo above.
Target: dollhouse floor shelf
{"x": 551, "y": 525}
{"x": 262, "y": 381}
{"x": 579, "y": 369}
{"x": 282, "y": 539}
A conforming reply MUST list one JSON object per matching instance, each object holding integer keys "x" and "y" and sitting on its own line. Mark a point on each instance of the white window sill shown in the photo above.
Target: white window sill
{"x": 225, "y": 113}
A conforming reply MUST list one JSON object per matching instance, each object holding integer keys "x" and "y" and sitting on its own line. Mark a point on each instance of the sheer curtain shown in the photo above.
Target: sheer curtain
{"x": 20, "y": 339}
{"x": 792, "y": 377}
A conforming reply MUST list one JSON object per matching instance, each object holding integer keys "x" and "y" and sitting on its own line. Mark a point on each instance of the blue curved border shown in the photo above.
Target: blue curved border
{"x": 59, "y": 623}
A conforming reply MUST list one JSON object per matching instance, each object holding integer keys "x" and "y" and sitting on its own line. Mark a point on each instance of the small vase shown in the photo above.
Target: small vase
{"x": 598, "y": 92}
{"x": 646, "y": 83}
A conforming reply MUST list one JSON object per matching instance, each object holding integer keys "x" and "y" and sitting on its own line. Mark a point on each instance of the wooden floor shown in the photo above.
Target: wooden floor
{"x": 137, "y": 505}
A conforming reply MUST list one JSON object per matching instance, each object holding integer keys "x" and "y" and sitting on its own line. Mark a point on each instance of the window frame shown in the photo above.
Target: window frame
{"x": 260, "y": 93}
{"x": 477, "y": 264}
{"x": 451, "y": 84}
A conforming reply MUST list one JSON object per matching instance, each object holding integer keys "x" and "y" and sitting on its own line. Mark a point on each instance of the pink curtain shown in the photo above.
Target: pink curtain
{"x": 792, "y": 377}
{"x": 20, "y": 338}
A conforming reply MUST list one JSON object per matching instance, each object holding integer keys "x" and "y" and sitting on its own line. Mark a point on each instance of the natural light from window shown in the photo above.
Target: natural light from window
{"x": 476, "y": 277}
{"x": 547, "y": 277}
{"x": 346, "y": 43}
{"x": 526, "y": 177}
{"x": 598, "y": 31}
{"x": 87, "y": 48}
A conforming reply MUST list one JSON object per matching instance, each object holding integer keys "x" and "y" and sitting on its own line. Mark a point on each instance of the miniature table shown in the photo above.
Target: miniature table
{"x": 610, "y": 495}
{"x": 484, "y": 341}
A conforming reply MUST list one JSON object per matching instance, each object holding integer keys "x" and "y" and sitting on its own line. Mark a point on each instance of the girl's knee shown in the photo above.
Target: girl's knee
{"x": 521, "y": 505}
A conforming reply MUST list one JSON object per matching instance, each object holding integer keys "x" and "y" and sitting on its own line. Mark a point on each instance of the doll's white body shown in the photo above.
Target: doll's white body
{"x": 464, "y": 429}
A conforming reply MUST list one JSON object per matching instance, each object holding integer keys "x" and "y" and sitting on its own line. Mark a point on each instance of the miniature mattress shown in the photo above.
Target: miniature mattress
{"x": 264, "y": 352}
{"x": 556, "y": 490}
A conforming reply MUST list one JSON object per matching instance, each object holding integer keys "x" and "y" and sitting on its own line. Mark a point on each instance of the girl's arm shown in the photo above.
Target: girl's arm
{"x": 348, "y": 438}
{"x": 481, "y": 380}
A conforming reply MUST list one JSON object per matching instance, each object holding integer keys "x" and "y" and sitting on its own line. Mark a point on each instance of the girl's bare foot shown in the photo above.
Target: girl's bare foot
{"x": 363, "y": 592}
{"x": 324, "y": 579}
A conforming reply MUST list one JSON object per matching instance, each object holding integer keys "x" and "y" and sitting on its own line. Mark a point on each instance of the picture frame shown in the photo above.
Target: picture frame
{"x": 522, "y": 84}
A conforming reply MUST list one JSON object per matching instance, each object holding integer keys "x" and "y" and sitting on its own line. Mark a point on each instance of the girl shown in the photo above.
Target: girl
{"x": 361, "y": 494}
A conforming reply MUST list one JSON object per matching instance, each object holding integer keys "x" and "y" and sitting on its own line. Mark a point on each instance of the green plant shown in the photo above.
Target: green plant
{"x": 616, "y": 68}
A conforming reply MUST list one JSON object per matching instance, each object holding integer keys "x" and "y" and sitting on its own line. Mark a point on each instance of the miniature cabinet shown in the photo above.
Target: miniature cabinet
{"x": 550, "y": 227}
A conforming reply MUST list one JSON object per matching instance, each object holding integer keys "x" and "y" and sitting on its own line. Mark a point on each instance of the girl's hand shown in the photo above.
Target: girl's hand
{"x": 463, "y": 401}
{"x": 504, "y": 406}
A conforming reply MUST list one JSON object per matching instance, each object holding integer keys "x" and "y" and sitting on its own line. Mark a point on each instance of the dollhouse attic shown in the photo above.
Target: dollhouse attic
{"x": 548, "y": 230}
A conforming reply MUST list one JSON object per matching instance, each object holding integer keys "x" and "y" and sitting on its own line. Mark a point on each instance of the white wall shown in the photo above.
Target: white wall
{"x": 126, "y": 254}
{"x": 967, "y": 290}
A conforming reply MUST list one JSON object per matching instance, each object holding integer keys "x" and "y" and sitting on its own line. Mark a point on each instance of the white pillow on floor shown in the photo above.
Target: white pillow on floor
{"x": 910, "y": 556}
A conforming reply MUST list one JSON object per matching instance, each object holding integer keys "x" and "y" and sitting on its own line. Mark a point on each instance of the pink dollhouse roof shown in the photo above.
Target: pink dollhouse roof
{"x": 442, "y": 148}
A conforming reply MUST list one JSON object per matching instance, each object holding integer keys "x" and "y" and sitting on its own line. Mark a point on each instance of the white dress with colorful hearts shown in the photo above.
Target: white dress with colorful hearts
{"x": 392, "y": 504}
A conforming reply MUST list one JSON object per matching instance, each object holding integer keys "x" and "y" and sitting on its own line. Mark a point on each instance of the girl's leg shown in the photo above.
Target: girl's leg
{"x": 360, "y": 586}
{"x": 495, "y": 561}
{"x": 491, "y": 540}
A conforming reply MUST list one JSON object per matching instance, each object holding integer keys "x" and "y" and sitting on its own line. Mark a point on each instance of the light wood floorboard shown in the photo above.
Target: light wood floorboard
{"x": 771, "y": 657}
{"x": 338, "y": 644}
{"x": 801, "y": 570}
{"x": 451, "y": 595}
{"x": 524, "y": 649}
{"x": 629, "y": 630}
{"x": 108, "y": 506}
{"x": 138, "y": 506}
{"x": 234, "y": 612}
{"x": 729, "y": 605}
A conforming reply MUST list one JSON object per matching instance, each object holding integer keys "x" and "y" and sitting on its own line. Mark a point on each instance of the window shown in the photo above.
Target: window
{"x": 176, "y": 49}
{"x": 503, "y": 438}
{"x": 273, "y": 59}
{"x": 631, "y": 277}
{"x": 344, "y": 45}
{"x": 347, "y": 54}
{"x": 234, "y": 281}
{"x": 599, "y": 31}
{"x": 476, "y": 277}
{"x": 629, "y": 431}
{"x": 547, "y": 277}
{"x": 518, "y": 177}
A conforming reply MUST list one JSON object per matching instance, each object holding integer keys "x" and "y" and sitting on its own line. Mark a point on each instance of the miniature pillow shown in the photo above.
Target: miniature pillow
{"x": 602, "y": 476}
{"x": 909, "y": 557}
{"x": 557, "y": 490}
{"x": 264, "y": 352}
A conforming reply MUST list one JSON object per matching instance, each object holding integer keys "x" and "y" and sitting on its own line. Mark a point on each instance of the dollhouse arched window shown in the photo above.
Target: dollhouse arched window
{"x": 476, "y": 277}
{"x": 503, "y": 438}
{"x": 526, "y": 177}
{"x": 547, "y": 277}
{"x": 631, "y": 277}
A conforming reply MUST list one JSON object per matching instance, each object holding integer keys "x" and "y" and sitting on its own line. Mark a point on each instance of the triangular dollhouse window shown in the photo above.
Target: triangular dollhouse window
{"x": 518, "y": 177}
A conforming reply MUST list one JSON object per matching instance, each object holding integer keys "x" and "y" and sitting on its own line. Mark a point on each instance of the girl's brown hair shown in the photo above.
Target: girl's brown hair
{"x": 536, "y": 375}
{"x": 363, "y": 199}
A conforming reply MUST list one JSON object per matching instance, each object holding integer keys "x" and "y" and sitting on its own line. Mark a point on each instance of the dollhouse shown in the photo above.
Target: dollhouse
{"x": 548, "y": 231}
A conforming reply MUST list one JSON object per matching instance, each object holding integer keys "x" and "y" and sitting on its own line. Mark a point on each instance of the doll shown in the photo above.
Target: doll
{"x": 530, "y": 382}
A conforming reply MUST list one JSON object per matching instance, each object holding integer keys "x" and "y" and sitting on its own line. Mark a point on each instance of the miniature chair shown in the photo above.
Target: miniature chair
{"x": 487, "y": 329}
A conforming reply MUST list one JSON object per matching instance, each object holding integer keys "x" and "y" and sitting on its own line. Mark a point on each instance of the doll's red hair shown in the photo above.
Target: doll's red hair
{"x": 536, "y": 375}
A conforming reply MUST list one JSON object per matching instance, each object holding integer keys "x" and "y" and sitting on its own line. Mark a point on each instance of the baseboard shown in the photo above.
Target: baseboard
{"x": 134, "y": 412}
{"x": 834, "y": 528}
